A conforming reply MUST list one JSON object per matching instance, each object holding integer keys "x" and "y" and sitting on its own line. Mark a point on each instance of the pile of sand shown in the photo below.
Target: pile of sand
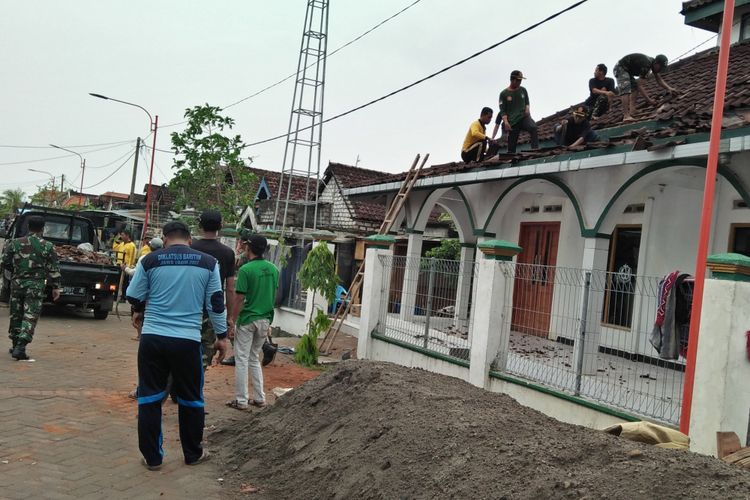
{"x": 377, "y": 430}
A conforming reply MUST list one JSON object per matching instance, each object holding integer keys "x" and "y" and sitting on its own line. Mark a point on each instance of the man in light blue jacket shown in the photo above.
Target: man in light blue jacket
{"x": 168, "y": 293}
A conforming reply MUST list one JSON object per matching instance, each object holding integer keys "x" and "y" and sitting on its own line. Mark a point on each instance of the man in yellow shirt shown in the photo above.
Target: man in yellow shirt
{"x": 146, "y": 249}
{"x": 477, "y": 146}
{"x": 126, "y": 257}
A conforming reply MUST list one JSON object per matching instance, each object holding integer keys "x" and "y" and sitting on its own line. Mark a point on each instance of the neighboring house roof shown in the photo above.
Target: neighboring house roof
{"x": 161, "y": 193}
{"x": 299, "y": 184}
{"x": 348, "y": 176}
{"x": 115, "y": 195}
{"x": 668, "y": 125}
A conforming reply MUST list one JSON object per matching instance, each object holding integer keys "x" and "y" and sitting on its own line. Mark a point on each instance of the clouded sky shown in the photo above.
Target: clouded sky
{"x": 173, "y": 54}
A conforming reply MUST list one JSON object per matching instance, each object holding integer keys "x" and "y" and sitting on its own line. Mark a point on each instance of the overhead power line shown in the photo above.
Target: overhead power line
{"x": 113, "y": 172}
{"x": 39, "y": 160}
{"x": 67, "y": 146}
{"x": 433, "y": 75}
{"x": 353, "y": 40}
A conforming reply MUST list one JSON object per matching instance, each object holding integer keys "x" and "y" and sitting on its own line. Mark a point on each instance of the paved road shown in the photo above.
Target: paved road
{"x": 68, "y": 429}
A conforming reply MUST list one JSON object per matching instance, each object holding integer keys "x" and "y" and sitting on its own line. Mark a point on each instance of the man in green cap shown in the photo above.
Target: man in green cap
{"x": 638, "y": 65}
{"x": 31, "y": 260}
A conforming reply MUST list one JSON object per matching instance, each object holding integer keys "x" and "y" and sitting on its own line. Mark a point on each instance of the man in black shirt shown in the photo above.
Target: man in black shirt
{"x": 601, "y": 90}
{"x": 209, "y": 224}
{"x": 576, "y": 130}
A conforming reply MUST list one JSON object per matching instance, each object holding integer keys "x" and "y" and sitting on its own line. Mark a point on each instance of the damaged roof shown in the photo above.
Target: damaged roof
{"x": 669, "y": 124}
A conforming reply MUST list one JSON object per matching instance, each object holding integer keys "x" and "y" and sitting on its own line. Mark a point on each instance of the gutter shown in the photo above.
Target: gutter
{"x": 734, "y": 141}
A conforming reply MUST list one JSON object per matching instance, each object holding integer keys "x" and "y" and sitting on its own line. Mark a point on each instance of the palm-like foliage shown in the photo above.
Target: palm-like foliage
{"x": 11, "y": 200}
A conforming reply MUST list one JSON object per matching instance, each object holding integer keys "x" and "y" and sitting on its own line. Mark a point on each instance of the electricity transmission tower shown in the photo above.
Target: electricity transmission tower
{"x": 305, "y": 132}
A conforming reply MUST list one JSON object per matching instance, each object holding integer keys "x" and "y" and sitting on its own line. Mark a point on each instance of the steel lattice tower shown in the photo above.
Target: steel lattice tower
{"x": 305, "y": 132}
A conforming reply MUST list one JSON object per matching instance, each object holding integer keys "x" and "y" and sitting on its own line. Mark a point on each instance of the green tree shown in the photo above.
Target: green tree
{"x": 47, "y": 195}
{"x": 11, "y": 200}
{"x": 449, "y": 249}
{"x": 210, "y": 172}
{"x": 318, "y": 274}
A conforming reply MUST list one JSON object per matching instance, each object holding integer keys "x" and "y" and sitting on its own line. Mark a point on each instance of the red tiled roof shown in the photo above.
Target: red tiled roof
{"x": 113, "y": 194}
{"x": 686, "y": 114}
{"x": 299, "y": 184}
{"x": 348, "y": 176}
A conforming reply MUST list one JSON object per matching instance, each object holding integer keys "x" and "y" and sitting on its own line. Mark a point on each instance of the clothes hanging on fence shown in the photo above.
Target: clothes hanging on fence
{"x": 670, "y": 334}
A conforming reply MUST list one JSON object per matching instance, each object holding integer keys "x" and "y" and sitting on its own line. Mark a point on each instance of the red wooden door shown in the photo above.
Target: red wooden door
{"x": 535, "y": 277}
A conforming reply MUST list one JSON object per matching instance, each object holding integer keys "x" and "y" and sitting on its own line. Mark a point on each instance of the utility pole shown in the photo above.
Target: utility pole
{"x": 62, "y": 186}
{"x": 135, "y": 169}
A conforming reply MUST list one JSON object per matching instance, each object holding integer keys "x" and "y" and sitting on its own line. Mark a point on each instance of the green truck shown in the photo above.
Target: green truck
{"x": 90, "y": 279}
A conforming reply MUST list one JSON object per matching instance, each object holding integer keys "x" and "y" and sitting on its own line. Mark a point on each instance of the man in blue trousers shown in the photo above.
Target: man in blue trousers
{"x": 168, "y": 293}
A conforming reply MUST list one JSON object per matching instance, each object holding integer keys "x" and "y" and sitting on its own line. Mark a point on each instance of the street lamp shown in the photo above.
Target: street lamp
{"x": 83, "y": 167}
{"x": 52, "y": 178}
{"x": 153, "y": 125}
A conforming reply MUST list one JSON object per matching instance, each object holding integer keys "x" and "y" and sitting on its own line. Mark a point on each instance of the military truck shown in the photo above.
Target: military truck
{"x": 90, "y": 278}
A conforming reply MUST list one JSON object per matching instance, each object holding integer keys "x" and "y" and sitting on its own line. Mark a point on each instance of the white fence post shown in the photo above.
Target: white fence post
{"x": 463, "y": 288}
{"x": 411, "y": 276}
{"x": 594, "y": 260}
{"x": 374, "y": 285}
{"x": 489, "y": 336}
{"x": 721, "y": 399}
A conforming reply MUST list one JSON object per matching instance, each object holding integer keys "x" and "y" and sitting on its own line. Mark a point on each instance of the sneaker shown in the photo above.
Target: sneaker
{"x": 205, "y": 456}
{"x": 19, "y": 353}
{"x": 228, "y": 362}
{"x": 150, "y": 467}
{"x": 259, "y": 404}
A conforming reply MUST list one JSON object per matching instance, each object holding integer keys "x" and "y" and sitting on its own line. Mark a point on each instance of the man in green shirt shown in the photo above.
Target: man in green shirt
{"x": 514, "y": 114}
{"x": 638, "y": 65}
{"x": 255, "y": 296}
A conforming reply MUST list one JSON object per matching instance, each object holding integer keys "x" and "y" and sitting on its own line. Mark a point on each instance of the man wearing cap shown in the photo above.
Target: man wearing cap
{"x": 252, "y": 311}
{"x": 515, "y": 114}
{"x": 477, "y": 146}
{"x": 32, "y": 261}
{"x": 168, "y": 293}
{"x": 576, "y": 130}
{"x": 601, "y": 90}
{"x": 209, "y": 224}
{"x": 638, "y": 65}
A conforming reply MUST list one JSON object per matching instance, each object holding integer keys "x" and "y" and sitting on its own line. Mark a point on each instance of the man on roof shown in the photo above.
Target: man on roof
{"x": 601, "y": 90}
{"x": 576, "y": 130}
{"x": 640, "y": 66}
{"x": 477, "y": 146}
{"x": 515, "y": 114}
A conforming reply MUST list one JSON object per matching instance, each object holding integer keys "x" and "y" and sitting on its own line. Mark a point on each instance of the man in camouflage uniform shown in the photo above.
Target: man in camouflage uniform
{"x": 31, "y": 260}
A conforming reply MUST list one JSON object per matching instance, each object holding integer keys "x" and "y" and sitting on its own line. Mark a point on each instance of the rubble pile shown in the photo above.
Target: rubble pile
{"x": 377, "y": 430}
{"x": 70, "y": 253}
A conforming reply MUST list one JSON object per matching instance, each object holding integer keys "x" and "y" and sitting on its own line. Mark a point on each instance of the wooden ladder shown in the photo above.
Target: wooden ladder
{"x": 390, "y": 217}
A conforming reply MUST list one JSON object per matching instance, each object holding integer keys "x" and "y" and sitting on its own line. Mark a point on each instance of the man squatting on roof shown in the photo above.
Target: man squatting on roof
{"x": 168, "y": 292}
{"x": 476, "y": 142}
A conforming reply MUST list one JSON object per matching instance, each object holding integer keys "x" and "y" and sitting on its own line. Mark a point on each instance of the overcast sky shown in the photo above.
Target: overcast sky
{"x": 170, "y": 55}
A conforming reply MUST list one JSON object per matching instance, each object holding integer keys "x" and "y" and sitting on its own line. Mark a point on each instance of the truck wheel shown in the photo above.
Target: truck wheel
{"x": 99, "y": 314}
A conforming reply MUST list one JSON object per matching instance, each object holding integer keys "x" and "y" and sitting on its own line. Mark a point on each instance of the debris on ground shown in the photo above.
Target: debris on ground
{"x": 377, "y": 430}
{"x": 71, "y": 253}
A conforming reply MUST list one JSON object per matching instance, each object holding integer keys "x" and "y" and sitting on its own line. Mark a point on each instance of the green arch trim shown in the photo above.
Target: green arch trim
{"x": 552, "y": 180}
{"x": 463, "y": 197}
{"x": 661, "y": 165}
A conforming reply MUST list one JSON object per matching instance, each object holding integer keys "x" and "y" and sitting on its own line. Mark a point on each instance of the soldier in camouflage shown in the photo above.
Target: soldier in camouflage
{"x": 31, "y": 260}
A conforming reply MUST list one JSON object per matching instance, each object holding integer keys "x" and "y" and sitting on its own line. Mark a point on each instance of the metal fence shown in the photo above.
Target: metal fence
{"x": 587, "y": 333}
{"x": 427, "y": 303}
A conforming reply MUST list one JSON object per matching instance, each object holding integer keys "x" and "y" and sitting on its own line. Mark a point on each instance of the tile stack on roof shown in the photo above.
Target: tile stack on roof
{"x": 682, "y": 115}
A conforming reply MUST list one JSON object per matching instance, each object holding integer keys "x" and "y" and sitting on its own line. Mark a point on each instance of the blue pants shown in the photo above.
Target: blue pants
{"x": 158, "y": 356}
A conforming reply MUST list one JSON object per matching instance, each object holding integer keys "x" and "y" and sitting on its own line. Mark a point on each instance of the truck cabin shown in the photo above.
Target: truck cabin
{"x": 59, "y": 229}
